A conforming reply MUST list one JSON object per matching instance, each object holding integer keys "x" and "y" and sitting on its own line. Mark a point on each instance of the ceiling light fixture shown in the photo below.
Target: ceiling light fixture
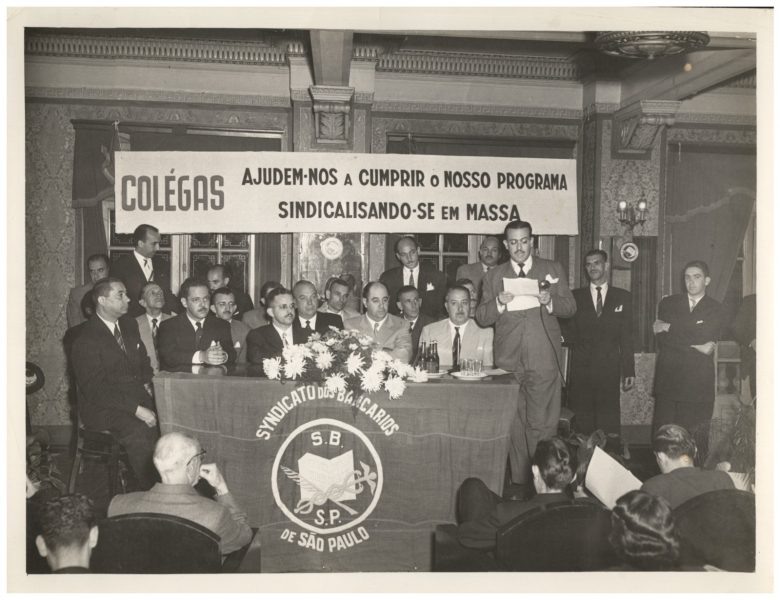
{"x": 649, "y": 44}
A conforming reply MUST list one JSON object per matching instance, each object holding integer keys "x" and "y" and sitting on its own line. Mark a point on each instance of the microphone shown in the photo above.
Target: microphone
{"x": 544, "y": 285}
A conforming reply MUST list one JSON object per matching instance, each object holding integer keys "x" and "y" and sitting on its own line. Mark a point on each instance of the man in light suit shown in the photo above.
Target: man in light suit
{"x": 223, "y": 305}
{"x": 195, "y": 336}
{"x": 603, "y": 357}
{"x": 270, "y": 340}
{"x": 307, "y": 319}
{"x": 409, "y": 303}
{"x": 97, "y": 265}
{"x": 430, "y": 282}
{"x": 179, "y": 460}
{"x": 142, "y": 266}
{"x": 528, "y": 342}
{"x": 489, "y": 253}
{"x": 152, "y": 299}
{"x": 336, "y": 298}
{"x": 459, "y": 337}
{"x": 389, "y": 332}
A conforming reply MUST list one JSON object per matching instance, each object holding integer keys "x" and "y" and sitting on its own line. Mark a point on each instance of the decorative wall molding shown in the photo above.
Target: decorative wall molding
{"x": 366, "y": 53}
{"x": 636, "y": 126}
{"x": 364, "y": 97}
{"x": 138, "y": 95}
{"x": 172, "y": 49}
{"x": 599, "y": 108}
{"x": 382, "y": 127}
{"x": 331, "y": 113}
{"x": 719, "y": 119}
{"x": 486, "y": 110}
{"x": 485, "y": 65}
{"x": 745, "y": 81}
{"x": 726, "y": 137}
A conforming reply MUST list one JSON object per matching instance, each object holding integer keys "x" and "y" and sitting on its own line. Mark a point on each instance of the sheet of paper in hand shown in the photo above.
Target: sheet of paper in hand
{"x": 526, "y": 292}
{"x": 607, "y": 479}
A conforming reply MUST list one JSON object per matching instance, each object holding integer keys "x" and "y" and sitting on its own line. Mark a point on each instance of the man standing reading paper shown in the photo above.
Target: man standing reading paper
{"x": 528, "y": 341}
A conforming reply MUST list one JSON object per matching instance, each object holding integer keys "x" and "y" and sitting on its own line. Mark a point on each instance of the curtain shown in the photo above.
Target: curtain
{"x": 710, "y": 201}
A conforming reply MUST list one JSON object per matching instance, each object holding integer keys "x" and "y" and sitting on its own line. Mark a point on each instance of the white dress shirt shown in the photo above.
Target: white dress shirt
{"x": 594, "y": 293}
{"x": 415, "y": 272}
{"x": 146, "y": 269}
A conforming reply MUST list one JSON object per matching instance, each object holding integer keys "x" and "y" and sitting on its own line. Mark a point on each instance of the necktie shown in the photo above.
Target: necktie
{"x": 198, "y": 334}
{"x": 411, "y": 278}
{"x": 693, "y": 304}
{"x": 520, "y": 272}
{"x": 599, "y": 302}
{"x": 118, "y": 338}
{"x": 456, "y": 348}
{"x": 154, "y": 331}
{"x": 285, "y": 341}
{"x": 376, "y": 329}
{"x": 308, "y": 325}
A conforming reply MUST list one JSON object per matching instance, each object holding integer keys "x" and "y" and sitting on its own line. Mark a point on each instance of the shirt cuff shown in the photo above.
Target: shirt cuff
{"x": 550, "y": 306}
{"x": 501, "y": 307}
{"x": 196, "y": 358}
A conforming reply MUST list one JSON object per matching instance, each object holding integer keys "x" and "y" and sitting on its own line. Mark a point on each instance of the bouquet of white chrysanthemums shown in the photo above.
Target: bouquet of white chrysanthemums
{"x": 343, "y": 361}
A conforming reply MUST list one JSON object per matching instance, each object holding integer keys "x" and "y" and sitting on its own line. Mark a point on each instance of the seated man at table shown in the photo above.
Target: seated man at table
{"x": 307, "y": 319}
{"x": 270, "y": 340}
{"x": 481, "y": 512}
{"x": 219, "y": 276}
{"x": 153, "y": 300}
{"x": 223, "y": 304}
{"x": 390, "y": 333}
{"x": 257, "y": 317}
{"x": 196, "y": 336}
{"x": 178, "y": 459}
{"x": 408, "y": 301}
{"x": 675, "y": 451}
{"x": 336, "y": 298}
{"x": 459, "y": 337}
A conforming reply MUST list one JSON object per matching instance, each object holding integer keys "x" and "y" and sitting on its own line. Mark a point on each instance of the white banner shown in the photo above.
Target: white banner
{"x": 247, "y": 192}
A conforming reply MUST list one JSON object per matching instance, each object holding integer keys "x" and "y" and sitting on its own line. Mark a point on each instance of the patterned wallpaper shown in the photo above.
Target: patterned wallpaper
{"x": 636, "y": 406}
{"x": 628, "y": 179}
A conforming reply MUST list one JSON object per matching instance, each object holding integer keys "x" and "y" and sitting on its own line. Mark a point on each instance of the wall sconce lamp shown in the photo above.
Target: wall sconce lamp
{"x": 629, "y": 216}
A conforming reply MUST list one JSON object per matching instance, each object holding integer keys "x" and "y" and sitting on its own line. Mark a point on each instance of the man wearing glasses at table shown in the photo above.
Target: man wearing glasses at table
{"x": 179, "y": 460}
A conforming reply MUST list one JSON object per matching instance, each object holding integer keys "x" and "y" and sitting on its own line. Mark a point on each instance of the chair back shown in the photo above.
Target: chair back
{"x": 155, "y": 543}
{"x": 562, "y": 536}
{"x": 719, "y": 529}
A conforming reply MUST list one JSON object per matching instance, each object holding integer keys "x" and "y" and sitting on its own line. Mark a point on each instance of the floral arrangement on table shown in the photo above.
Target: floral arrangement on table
{"x": 343, "y": 361}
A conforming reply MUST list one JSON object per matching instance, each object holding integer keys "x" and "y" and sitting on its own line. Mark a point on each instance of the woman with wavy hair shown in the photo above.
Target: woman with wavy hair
{"x": 643, "y": 533}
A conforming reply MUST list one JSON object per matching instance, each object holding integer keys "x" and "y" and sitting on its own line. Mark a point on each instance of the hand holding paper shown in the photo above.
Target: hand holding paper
{"x": 607, "y": 479}
{"x": 525, "y": 290}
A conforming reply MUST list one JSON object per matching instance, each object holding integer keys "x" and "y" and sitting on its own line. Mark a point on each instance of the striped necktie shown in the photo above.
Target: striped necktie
{"x": 118, "y": 338}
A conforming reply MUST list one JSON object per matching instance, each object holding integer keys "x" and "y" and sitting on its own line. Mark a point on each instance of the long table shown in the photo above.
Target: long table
{"x": 335, "y": 484}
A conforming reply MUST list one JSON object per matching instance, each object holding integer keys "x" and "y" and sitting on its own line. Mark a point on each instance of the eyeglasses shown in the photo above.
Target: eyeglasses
{"x": 198, "y": 455}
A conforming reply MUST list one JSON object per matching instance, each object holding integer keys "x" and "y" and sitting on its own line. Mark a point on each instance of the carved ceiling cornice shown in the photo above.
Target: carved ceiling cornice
{"x": 479, "y": 64}
{"x": 169, "y": 49}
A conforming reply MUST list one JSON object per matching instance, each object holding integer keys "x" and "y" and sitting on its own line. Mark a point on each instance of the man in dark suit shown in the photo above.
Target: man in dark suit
{"x": 219, "y": 276}
{"x": 430, "y": 282}
{"x": 528, "y": 341}
{"x": 98, "y": 269}
{"x": 196, "y": 336}
{"x": 223, "y": 305}
{"x": 409, "y": 302}
{"x": 603, "y": 353}
{"x": 307, "y": 318}
{"x": 269, "y": 340}
{"x": 143, "y": 266}
{"x": 113, "y": 375}
{"x": 687, "y": 329}
{"x": 481, "y": 512}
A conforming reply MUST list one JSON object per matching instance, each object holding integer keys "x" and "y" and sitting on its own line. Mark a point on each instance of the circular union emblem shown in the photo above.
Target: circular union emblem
{"x": 629, "y": 252}
{"x": 327, "y": 476}
{"x": 332, "y": 248}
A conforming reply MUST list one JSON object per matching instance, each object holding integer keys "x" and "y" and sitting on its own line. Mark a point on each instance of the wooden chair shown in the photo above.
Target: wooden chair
{"x": 101, "y": 445}
{"x": 563, "y": 536}
{"x": 155, "y": 543}
{"x": 719, "y": 529}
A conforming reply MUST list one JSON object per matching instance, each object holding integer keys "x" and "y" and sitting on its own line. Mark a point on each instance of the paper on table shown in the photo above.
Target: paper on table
{"x": 495, "y": 371}
{"x": 607, "y": 479}
{"x": 526, "y": 292}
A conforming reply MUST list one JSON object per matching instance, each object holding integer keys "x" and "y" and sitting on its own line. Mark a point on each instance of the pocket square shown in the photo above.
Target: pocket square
{"x": 551, "y": 279}
{"x": 619, "y": 308}
{"x": 429, "y": 287}
{"x": 699, "y": 322}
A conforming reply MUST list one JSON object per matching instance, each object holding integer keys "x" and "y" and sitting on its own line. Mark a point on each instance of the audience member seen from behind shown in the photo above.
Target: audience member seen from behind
{"x": 680, "y": 480}
{"x": 69, "y": 532}
{"x": 179, "y": 460}
{"x": 643, "y": 534}
{"x": 481, "y": 512}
